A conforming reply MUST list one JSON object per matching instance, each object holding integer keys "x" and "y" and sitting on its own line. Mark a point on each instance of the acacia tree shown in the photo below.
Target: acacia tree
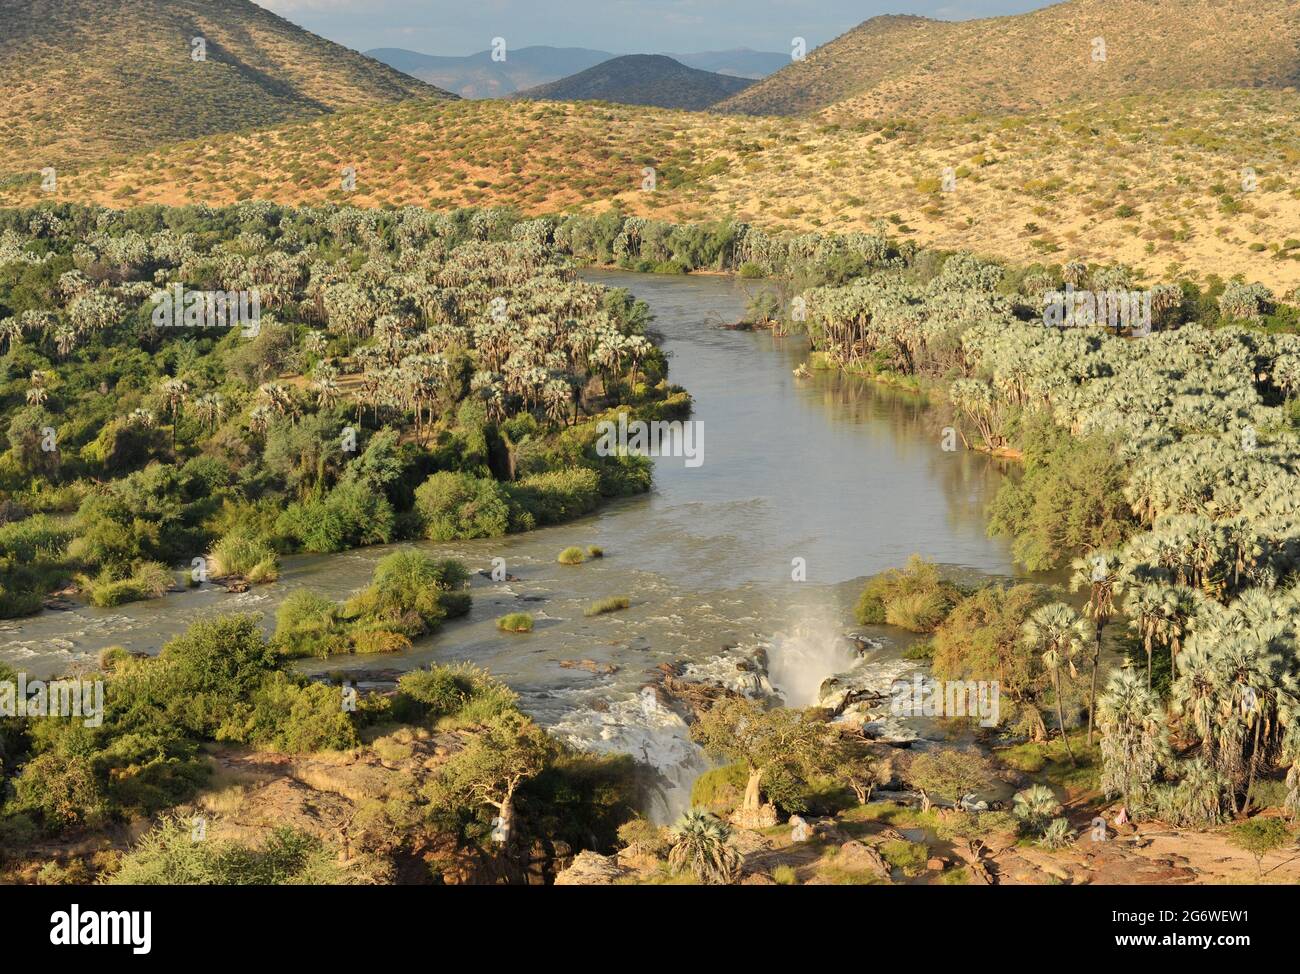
{"x": 779, "y": 747}
{"x": 489, "y": 770}
{"x": 950, "y": 772}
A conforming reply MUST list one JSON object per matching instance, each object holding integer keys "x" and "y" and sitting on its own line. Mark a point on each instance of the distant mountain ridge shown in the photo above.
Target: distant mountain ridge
{"x": 642, "y": 79}
{"x": 478, "y": 76}
{"x": 897, "y": 66}
{"x": 80, "y": 79}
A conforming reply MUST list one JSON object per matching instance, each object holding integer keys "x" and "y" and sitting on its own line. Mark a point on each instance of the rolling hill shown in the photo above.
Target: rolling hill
{"x": 893, "y": 66}
{"x": 642, "y": 79}
{"x": 80, "y": 79}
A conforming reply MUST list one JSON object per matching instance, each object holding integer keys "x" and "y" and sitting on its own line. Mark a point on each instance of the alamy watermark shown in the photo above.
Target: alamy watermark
{"x": 659, "y": 438}
{"x": 177, "y": 307}
{"x": 1117, "y": 309}
{"x": 923, "y": 696}
{"x": 53, "y": 698}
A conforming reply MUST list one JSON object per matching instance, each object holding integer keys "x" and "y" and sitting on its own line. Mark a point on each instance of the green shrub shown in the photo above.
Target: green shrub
{"x": 916, "y": 598}
{"x": 516, "y": 622}
{"x": 350, "y": 516}
{"x": 37, "y": 537}
{"x": 169, "y": 856}
{"x": 250, "y": 558}
{"x": 459, "y": 506}
{"x": 1259, "y": 837}
{"x": 612, "y": 604}
{"x": 406, "y": 593}
{"x": 557, "y": 496}
{"x": 571, "y": 556}
{"x": 785, "y": 875}
{"x": 64, "y": 790}
{"x": 150, "y": 581}
{"x": 1070, "y": 499}
{"x": 307, "y": 624}
{"x": 908, "y": 857}
{"x": 295, "y": 718}
{"x": 208, "y": 673}
{"x": 463, "y": 691}
{"x": 721, "y": 790}
{"x": 641, "y": 837}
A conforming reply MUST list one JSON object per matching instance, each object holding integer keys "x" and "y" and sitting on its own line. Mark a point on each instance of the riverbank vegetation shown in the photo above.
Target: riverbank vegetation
{"x": 1161, "y": 468}
{"x": 408, "y": 374}
{"x": 472, "y": 774}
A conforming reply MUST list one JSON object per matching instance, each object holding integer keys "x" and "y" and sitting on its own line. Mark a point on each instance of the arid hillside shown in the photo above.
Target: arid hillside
{"x": 1196, "y": 183}
{"x": 896, "y": 67}
{"x": 82, "y": 79}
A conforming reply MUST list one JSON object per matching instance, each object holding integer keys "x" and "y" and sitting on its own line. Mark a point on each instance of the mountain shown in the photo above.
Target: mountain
{"x": 897, "y": 66}
{"x": 642, "y": 79}
{"x": 739, "y": 63}
{"x": 478, "y": 76}
{"x": 80, "y": 79}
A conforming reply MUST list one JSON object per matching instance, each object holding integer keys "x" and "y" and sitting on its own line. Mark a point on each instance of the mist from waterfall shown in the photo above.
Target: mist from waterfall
{"x": 804, "y": 655}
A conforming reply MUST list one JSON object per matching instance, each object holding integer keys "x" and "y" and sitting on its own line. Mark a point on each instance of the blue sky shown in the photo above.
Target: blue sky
{"x": 620, "y": 26}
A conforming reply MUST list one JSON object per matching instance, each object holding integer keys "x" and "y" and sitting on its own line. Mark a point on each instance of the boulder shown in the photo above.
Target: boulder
{"x": 754, "y": 818}
{"x": 591, "y": 869}
{"x": 858, "y": 856}
{"x": 800, "y": 832}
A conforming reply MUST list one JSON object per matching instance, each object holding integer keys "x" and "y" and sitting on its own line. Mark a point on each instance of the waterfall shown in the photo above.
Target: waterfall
{"x": 801, "y": 658}
{"x": 653, "y": 734}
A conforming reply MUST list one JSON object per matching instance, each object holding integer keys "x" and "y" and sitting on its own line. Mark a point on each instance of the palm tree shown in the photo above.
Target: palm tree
{"x": 1035, "y": 806}
{"x": 1133, "y": 744}
{"x": 259, "y": 418}
{"x": 210, "y": 409}
{"x": 1100, "y": 574}
{"x": 65, "y": 339}
{"x": 1143, "y": 606}
{"x": 327, "y": 386}
{"x": 1177, "y": 608}
{"x": 556, "y": 395}
{"x": 1057, "y": 632}
{"x": 701, "y": 844}
{"x": 36, "y": 392}
{"x": 277, "y": 398}
{"x": 11, "y": 331}
{"x": 176, "y": 392}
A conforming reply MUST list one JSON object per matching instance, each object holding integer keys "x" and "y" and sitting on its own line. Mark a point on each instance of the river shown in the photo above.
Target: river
{"x": 842, "y": 473}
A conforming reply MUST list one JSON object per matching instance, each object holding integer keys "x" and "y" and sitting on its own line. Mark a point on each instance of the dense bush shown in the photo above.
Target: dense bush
{"x": 457, "y": 506}
{"x": 916, "y": 598}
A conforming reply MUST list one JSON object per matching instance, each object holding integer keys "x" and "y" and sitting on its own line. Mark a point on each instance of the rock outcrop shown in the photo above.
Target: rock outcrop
{"x": 591, "y": 869}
